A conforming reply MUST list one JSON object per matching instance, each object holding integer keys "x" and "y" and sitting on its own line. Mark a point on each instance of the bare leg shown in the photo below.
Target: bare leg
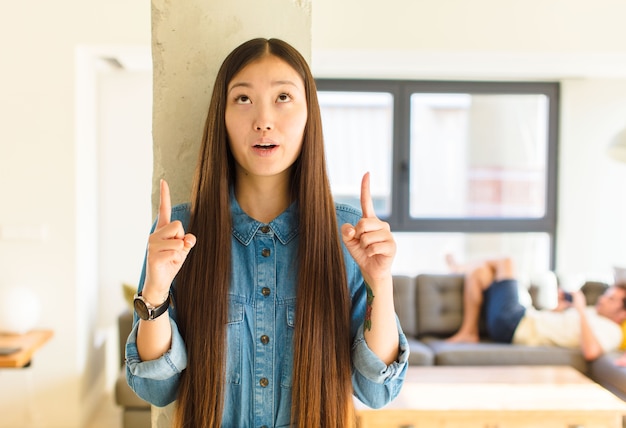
{"x": 478, "y": 279}
{"x": 454, "y": 265}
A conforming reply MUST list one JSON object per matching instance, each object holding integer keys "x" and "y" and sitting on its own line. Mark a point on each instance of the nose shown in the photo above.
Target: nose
{"x": 263, "y": 120}
{"x": 262, "y": 125}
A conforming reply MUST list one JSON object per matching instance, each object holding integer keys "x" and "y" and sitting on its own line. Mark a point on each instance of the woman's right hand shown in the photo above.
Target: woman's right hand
{"x": 168, "y": 247}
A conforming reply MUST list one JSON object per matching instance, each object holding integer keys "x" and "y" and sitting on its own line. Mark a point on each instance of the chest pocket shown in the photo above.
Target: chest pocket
{"x": 234, "y": 342}
{"x": 287, "y": 346}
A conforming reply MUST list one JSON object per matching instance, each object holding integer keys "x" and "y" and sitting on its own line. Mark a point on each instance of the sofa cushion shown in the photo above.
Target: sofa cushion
{"x": 439, "y": 303}
{"x": 503, "y": 354}
{"x": 604, "y": 371}
{"x": 404, "y": 295}
{"x": 421, "y": 354}
{"x": 126, "y": 397}
{"x": 136, "y": 418}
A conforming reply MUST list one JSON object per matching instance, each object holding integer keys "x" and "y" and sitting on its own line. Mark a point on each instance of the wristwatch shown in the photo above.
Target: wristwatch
{"x": 146, "y": 311}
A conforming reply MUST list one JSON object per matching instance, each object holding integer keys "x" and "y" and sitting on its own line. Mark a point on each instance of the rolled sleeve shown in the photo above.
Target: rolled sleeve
{"x": 376, "y": 383}
{"x": 156, "y": 381}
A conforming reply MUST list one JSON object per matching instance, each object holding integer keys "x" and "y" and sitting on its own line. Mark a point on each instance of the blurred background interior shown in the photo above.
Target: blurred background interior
{"x": 457, "y": 167}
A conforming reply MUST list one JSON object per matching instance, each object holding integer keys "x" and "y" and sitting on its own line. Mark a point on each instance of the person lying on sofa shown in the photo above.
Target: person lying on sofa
{"x": 491, "y": 284}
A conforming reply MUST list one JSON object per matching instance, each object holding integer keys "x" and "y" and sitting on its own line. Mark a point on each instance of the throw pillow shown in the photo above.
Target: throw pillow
{"x": 129, "y": 291}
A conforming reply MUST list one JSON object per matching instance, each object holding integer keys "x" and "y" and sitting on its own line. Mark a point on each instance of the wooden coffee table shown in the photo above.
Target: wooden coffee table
{"x": 497, "y": 396}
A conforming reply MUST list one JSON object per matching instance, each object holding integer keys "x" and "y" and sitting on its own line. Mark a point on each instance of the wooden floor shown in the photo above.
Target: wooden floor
{"x": 109, "y": 415}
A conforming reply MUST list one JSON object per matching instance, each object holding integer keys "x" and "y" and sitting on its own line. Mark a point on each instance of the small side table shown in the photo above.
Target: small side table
{"x": 28, "y": 343}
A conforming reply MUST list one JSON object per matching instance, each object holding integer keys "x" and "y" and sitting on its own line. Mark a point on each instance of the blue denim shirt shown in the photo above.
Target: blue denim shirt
{"x": 260, "y": 329}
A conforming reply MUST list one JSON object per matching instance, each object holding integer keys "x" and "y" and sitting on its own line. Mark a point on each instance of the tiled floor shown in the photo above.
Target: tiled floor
{"x": 109, "y": 415}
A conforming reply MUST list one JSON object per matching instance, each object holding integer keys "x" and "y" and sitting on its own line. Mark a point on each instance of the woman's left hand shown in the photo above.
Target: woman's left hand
{"x": 370, "y": 242}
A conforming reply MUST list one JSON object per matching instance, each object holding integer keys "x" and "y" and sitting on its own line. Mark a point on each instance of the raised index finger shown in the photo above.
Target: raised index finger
{"x": 165, "y": 205}
{"x": 367, "y": 206}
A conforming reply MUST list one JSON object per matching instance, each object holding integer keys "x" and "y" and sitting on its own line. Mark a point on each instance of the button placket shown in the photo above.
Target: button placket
{"x": 265, "y": 308}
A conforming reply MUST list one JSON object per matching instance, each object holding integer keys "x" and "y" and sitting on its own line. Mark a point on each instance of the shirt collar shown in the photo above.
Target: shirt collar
{"x": 285, "y": 226}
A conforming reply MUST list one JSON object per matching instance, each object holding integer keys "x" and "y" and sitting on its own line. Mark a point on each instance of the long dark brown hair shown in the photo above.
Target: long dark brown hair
{"x": 321, "y": 392}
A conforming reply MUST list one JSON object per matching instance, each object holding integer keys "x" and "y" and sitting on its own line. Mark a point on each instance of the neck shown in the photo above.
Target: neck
{"x": 263, "y": 198}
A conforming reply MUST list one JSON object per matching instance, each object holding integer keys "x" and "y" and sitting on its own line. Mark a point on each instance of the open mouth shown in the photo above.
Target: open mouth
{"x": 265, "y": 146}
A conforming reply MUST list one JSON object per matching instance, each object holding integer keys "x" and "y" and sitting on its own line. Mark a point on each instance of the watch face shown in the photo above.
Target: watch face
{"x": 141, "y": 309}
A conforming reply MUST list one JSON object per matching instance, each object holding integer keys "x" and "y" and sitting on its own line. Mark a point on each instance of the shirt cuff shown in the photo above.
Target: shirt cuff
{"x": 173, "y": 362}
{"x": 373, "y": 368}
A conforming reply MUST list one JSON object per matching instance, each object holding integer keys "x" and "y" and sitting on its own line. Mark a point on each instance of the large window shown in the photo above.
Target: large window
{"x": 471, "y": 165}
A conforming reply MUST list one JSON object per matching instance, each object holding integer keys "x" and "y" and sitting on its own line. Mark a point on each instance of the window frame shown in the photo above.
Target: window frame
{"x": 401, "y": 90}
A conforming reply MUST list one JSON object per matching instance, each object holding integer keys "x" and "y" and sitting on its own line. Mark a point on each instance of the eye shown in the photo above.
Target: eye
{"x": 283, "y": 98}
{"x": 242, "y": 99}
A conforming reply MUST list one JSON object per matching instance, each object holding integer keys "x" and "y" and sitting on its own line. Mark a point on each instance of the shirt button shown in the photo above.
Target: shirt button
{"x": 265, "y": 252}
{"x": 264, "y": 382}
{"x": 265, "y": 229}
{"x": 265, "y": 291}
{"x": 265, "y": 339}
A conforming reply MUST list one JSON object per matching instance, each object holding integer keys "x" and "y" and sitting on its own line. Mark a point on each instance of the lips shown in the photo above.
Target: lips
{"x": 264, "y": 142}
{"x": 264, "y": 146}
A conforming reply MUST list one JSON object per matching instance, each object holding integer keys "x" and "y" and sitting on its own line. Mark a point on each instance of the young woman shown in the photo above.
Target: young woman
{"x": 282, "y": 307}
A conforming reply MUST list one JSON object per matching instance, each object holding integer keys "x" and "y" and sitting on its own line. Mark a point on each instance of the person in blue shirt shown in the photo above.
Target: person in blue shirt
{"x": 262, "y": 302}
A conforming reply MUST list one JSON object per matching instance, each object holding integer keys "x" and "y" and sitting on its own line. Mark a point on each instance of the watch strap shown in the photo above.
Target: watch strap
{"x": 146, "y": 311}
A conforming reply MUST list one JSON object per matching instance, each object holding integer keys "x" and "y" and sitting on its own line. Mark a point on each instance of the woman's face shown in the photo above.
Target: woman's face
{"x": 266, "y": 113}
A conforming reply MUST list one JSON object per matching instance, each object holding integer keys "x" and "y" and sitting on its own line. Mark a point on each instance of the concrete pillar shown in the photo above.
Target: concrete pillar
{"x": 190, "y": 39}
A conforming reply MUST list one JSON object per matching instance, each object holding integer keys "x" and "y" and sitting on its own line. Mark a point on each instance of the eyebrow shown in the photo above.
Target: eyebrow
{"x": 273, "y": 83}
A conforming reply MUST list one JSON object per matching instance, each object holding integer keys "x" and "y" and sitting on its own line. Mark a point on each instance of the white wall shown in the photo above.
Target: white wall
{"x": 39, "y": 170}
{"x": 592, "y": 212}
{"x": 125, "y": 183}
{"x": 479, "y": 25}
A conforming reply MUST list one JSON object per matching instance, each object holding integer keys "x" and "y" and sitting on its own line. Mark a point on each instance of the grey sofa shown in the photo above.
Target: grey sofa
{"x": 429, "y": 307}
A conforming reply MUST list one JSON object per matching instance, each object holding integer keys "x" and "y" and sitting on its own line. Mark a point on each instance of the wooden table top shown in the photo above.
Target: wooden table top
{"x": 455, "y": 388}
{"x": 28, "y": 343}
